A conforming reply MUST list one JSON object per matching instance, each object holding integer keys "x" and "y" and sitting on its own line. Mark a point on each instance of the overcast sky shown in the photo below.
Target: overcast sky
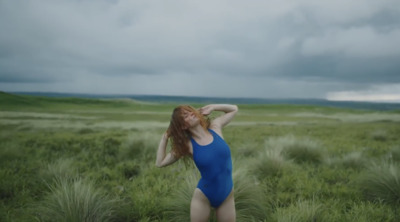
{"x": 341, "y": 49}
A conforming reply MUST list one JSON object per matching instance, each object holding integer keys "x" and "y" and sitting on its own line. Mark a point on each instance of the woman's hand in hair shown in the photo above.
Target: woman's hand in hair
{"x": 206, "y": 110}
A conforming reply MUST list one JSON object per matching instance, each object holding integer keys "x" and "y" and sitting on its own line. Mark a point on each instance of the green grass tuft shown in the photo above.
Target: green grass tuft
{"x": 353, "y": 160}
{"x": 394, "y": 154}
{"x": 299, "y": 150}
{"x": 381, "y": 182}
{"x": 379, "y": 135}
{"x": 300, "y": 212}
{"x": 271, "y": 162}
{"x": 76, "y": 200}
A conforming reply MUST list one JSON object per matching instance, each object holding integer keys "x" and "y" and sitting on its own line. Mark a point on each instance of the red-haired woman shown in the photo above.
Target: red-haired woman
{"x": 194, "y": 136}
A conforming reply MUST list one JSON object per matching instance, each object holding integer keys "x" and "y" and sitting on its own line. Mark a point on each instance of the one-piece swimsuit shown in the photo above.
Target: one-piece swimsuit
{"x": 215, "y": 165}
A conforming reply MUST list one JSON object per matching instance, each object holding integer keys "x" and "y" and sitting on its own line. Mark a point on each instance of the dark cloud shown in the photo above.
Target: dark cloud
{"x": 337, "y": 68}
{"x": 296, "y": 45}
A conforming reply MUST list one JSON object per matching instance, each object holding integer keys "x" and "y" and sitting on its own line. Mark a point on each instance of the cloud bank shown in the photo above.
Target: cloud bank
{"x": 264, "y": 49}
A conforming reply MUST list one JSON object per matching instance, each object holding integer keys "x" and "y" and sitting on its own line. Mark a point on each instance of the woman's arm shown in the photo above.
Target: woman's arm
{"x": 221, "y": 121}
{"x": 163, "y": 158}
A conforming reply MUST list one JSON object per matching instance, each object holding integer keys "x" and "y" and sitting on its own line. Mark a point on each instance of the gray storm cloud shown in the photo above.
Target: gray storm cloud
{"x": 305, "y": 48}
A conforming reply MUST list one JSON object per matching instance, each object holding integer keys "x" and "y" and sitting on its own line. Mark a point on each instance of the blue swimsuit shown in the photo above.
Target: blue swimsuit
{"x": 215, "y": 166}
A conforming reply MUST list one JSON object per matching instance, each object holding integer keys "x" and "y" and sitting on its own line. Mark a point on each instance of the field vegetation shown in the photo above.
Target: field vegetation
{"x": 75, "y": 159}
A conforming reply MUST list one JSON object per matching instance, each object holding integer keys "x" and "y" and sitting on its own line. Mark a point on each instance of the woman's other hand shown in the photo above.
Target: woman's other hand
{"x": 206, "y": 110}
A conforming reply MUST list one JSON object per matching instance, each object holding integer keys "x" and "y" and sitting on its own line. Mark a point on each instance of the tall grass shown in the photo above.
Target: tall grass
{"x": 354, "y": 160}
{"x": 394, "y": 154}
{"x": 381, "y": 182}
{"x": 301, "y": 211}
{"x": 299, "y": 150}
{"x": 76, "y": 200}
{"x": 251, "y": 203}
{"x": 140, "y": 144}
{"x": 303, "y": 150}
{"x": 60, "y": 170}
{"x": 271, "y": 162}
{"x": 177, "y": 208}
{"x": 113, "y": 146}
{"x": 71, "y": 198}
{"x": 336, "y": 210}
{"x": 369, "y": 212}
{"x": 379, "y": 135}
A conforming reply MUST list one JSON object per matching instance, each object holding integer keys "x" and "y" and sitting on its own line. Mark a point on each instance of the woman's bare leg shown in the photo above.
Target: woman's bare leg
{"x": 199, "y": 207}
{"x": 227, "y": 212}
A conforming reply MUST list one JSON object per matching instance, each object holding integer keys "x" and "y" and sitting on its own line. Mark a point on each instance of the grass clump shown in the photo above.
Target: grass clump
{"x": 140, "y": 146}
{"x": 301, "y": 211}
{"x": 379, "y": 135}
{"x": 251, "y": 201}
{"x": 76, "y": 200}
{"x": 177, "y": 208}
{"x": 369, "y": 212}
{"x": 394, "y": 154}
{"x": 271, "y": 162}
{"x": 62, "y": 169}
{"x": 299, "y": 150}
{"x": 381, "y": 182}
{"x": 71, "y": 198}
{"x": 353, "y": 160}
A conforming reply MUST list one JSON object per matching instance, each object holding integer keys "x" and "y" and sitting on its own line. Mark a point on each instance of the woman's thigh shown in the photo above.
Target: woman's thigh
{"x": 227, "y": 212}
{"x": 199, "y": 207}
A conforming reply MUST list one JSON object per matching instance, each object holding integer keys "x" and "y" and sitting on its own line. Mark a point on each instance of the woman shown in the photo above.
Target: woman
{"x": 196, "y": 137}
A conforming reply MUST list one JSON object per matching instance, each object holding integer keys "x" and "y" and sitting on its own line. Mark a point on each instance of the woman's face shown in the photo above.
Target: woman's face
{"x": 190, "y": 118}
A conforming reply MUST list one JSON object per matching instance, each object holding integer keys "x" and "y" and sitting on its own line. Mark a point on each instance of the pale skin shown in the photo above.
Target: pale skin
{"x": 200, "y": 207}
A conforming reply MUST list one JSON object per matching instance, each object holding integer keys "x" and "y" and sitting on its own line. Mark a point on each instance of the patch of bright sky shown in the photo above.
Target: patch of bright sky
{"x": 385, "y": 93}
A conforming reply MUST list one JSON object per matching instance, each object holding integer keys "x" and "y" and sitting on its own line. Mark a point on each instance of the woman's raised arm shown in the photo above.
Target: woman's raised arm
{"x": 221, "y": 121}
{"x": 164, "y": 158}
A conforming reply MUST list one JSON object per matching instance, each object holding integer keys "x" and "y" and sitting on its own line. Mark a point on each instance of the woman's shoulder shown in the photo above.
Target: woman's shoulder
{"x": 215, "y": 130}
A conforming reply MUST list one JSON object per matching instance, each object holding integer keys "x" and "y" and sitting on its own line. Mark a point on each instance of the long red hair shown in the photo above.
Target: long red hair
{"x": 178, "y": 132}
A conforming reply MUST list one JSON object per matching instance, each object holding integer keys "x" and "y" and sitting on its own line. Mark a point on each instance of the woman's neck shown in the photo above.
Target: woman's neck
{"x": 198, "y": 132}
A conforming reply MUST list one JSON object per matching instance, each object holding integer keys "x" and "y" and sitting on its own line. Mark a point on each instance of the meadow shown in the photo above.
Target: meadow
{"x": 76, "y": 159}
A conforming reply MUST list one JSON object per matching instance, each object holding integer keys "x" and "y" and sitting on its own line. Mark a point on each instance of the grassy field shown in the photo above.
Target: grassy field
{"x": 70, "y": 159}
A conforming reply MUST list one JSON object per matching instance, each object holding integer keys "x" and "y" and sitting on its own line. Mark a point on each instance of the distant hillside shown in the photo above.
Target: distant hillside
{"x": 14, "y": 100}
{"x": 187, "y": 99}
